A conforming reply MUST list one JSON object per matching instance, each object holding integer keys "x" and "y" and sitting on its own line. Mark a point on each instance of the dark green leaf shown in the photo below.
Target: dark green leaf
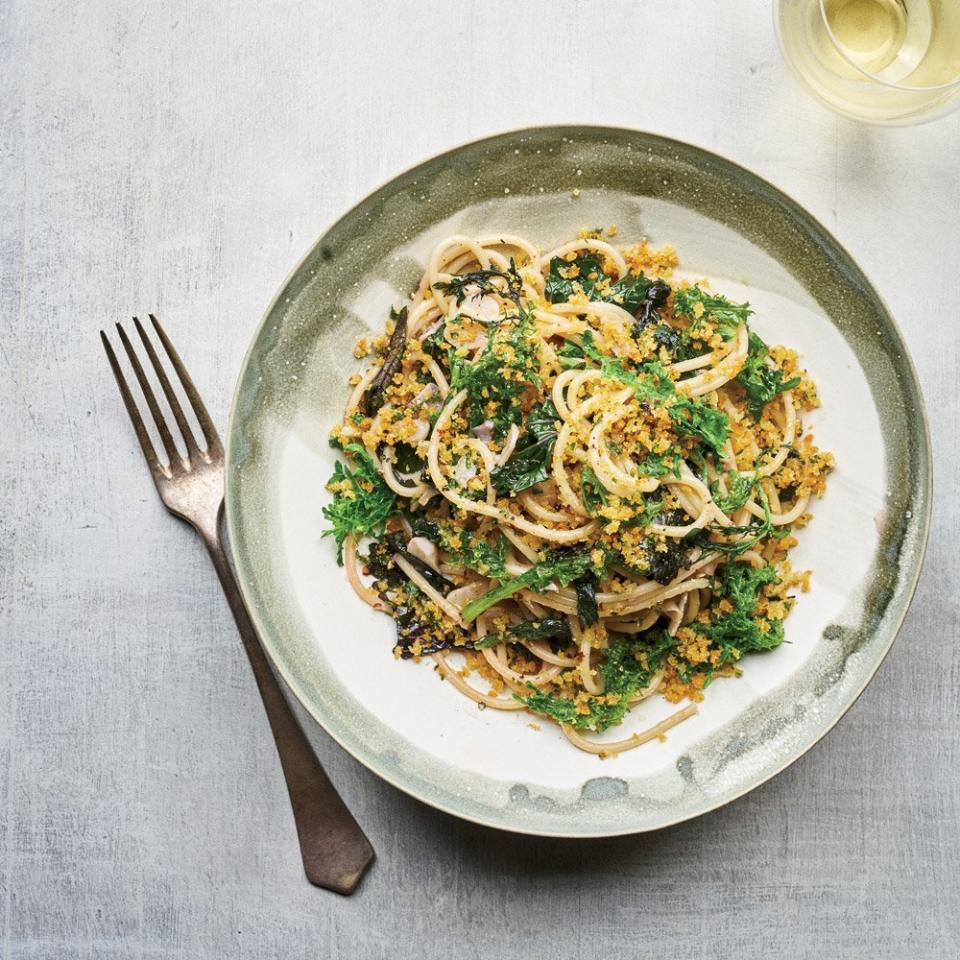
{"x": 648, "y": 312}
{"x": 571, "y": 355}
{"x": 406, "y": 459}
{"x": 529, "y": 464}
{"x": 484, "y": 379}
{"x": 739, "y": 631}
{"x": 652, "y": 384}
{"x": 483, "y": 282}
{"x": 761, "y": 382}
{"x": 548, "y": 628}
{"x": 724, "y": 313}
{"x": 740, "y": 487}
{"x": 358, "y": 510}
{"x": 586, "y": 589}
{"x": 562, "y": 567}
{"x": 592, "y": 491}
{"x": 696, "y": 419}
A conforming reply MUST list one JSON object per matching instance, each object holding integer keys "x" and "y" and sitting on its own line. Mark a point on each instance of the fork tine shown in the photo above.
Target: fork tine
{"x": 168, "y": 390}
{"x": 173, "y": 455}
{"x": 153, "y": 462}
{"x": 214, "y": 446}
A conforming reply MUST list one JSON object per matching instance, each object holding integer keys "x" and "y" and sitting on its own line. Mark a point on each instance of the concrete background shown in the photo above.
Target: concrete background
{"x": 180, "y": 157}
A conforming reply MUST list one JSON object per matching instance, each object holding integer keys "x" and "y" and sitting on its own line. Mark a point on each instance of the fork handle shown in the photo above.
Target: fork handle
{"x": 335, "y": 851}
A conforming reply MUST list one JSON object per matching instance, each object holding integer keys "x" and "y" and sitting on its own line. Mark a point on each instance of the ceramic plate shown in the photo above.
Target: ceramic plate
{"x": 865, "y": 545}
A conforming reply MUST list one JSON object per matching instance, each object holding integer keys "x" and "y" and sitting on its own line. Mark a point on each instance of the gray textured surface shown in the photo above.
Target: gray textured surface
{"x": 181, "y": 157}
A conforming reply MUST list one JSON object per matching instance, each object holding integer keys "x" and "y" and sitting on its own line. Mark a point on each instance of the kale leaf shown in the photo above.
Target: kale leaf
{"x": 529, "y": 464}
{"x": 755, "y": 532}
{"x": 695, "y": 419}
{"x": 586, "y": 589}
{"x": 726, "y": 314}
{"x": 381, "y": 563}
{"x": 500, "y": 375}
{"x": 465, "y": 548}
{"x": 740, "y": 487}
{"x": 483, "y": 282}
{"x": 630, "y": 663}
{"x": 548, "y": 628}
{"x": 657, "y": 465}
{"x": 434, "y": 345}
{"x": 421, "y": 629}
{"x": 592, "y": 491}
{"x": 362, "y": 502}
{"x": 588, "y": 271}
{"x": 652, "y": 384}
{"x": 739, "y": 631}
{"x": 629, "y": 291}
{"x": 406, "y": 459}
{"x": 761, "y": 382}
{"x": 629, "y": 666}
{"x": 667, "y": 557}
{"x": 654, "y": 298}
{"x": 571, "y": 355}
{"x": 561, "y": 566}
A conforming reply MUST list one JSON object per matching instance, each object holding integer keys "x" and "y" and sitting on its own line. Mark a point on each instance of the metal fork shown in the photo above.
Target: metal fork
{"x": 335, "y": 850}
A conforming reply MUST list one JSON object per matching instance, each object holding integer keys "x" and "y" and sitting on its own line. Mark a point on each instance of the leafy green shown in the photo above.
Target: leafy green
{"x": 652, "y": 508}
{"x": 500, "y": 375}
{"x": 740, "y": 487}
{"x": 565, "y": 711}
{"x": 629, "y": 291}
{"x": 406, "y": 459}
{"x": 630, "y": 663}
{"x": 586, "y": 590}
{"x": 365, "y": 503}
{"x": 559, "y": 288}
{"x": 592, "y": 491}
{"x": 435, "y": 346}
{"x": 738, "y": 631}
{"x": 571, "y": 355}
{"x": 382, "y": 566}
{"x": 726, "y": 314}
{"x": 655, "y": 297}
{"x": 632, "y": 293}
{"x": 762, "y": 383}
{"x": 561, "y": 567}
{"x": 549, "y": 628}
{"x": 421, "y": 628}
{"x": 651, "y": 383}
{"x": 696, "y": 419}
{"x": 475, "y": 553}
{"x": 482, "y": 280}
{"x": 465, "y": 549}
{"x": 667, "y": 556}
{"x": 629, "y": 666}
{"x": 756, "y": 532}
{"x": 655, "y": 465}
{"x": 529, "y": 464}
{"x": 669, "y": 337}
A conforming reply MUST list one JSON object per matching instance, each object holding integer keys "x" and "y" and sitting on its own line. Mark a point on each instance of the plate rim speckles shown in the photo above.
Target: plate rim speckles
{"x": 592, "y": 158}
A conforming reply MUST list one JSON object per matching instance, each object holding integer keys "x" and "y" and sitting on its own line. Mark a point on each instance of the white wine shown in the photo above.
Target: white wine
{"x": 886, "y": 61}
{"x": 869, "y": 32}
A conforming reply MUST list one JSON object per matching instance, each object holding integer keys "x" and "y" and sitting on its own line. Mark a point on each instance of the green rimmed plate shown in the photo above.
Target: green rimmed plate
{"x": 865, "y": 545}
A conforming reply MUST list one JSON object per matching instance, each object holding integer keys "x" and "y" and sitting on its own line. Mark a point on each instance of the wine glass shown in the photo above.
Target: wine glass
{"x": 881, "y": 61}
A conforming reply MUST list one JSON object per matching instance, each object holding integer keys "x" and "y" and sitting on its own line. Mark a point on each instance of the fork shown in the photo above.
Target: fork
{"x": 334, "y": 849}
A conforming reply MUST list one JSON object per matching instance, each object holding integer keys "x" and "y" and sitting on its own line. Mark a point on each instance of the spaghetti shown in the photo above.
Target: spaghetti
{"x": 578, "y": 478}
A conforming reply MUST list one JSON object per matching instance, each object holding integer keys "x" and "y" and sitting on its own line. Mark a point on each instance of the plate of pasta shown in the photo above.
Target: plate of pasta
{"x": 578, "y": 481}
